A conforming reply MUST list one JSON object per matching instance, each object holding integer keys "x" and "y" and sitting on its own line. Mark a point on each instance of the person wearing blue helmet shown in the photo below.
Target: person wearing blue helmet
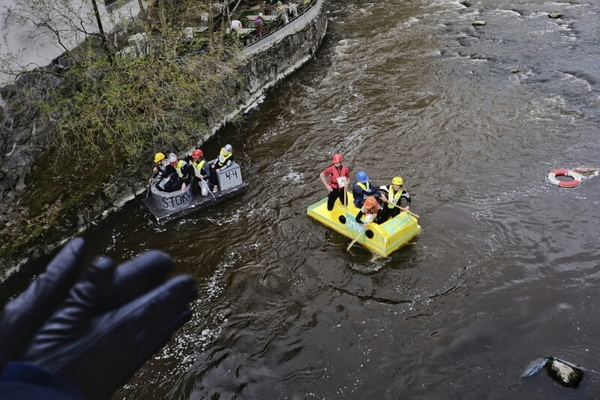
{"x": 363, "y": 189}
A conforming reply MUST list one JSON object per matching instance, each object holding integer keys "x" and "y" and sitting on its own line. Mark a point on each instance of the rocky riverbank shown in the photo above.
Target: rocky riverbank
{"x": 34, "y": 221}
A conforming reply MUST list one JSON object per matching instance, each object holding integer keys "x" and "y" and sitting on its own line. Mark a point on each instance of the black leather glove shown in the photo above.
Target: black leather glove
{"x": 23, "y": 316}
{"x": 112, "y": 321}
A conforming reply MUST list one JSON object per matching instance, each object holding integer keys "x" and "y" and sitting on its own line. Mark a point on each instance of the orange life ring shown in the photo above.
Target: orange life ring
{"x": 564, "y": 172}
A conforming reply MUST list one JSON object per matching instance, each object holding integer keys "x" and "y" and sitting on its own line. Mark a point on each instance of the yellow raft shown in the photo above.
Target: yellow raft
{"x": 380, "y": 239}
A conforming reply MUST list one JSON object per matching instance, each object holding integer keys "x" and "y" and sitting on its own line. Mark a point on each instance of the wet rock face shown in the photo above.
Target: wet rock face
{"x": 22, "y": 137}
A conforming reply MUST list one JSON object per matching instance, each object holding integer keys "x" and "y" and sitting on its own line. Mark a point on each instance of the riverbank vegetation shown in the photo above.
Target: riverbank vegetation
{"x": 114, "y": 104}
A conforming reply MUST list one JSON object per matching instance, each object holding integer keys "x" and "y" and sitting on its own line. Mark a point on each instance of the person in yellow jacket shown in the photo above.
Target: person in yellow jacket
{"x": 363, "y": 188}
{"x": 223, "y": 161}
{"x": 177, "y": 175}
{"x": 395, "y": 196}
{"x": 201, "y": 169}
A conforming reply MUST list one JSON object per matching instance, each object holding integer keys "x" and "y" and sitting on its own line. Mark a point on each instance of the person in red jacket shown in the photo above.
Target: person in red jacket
{"x": 339, "y": 176}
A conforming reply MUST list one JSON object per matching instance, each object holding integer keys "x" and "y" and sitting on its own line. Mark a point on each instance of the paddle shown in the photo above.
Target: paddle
{"x": 345, "y": 200}
{"x": 151, "y": 179}
{"x": 403, "y": 209}
{"x": 199, "y": 176}
{"x": 362, "y": 232}
{"x": 354, "y": 241}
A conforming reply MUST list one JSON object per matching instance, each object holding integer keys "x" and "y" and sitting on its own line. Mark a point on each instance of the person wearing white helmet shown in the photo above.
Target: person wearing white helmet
{"x": 177, "y": 175}
{"x": 223, "y": 161}
{"x": 363, "y": 188}
{"x": 396, "y": 197}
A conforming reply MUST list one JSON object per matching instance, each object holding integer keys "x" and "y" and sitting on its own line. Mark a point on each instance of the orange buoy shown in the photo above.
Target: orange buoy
{"x": 577, "y": 178}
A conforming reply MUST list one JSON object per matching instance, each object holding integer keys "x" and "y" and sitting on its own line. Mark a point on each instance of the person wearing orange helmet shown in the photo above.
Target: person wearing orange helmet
{"x": 371, "y": 210}
{"x": 199, "y": 164}
{"x": 200, "y": 167}
{"x": 339, "y": 176}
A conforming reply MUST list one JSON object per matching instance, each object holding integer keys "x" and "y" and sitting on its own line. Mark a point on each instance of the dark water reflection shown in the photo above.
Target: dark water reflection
{"x": 506, "y": 270}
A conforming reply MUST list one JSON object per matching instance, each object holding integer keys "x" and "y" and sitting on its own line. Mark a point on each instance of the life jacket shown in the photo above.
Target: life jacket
{"x": 393, "y": 197}
{"x": 198, "y": 165}
{"x": 223, "y": 157}
{"x": 365, "y": 186}
{"x": 178, "y": 167}
{"x": 334, "y": 180}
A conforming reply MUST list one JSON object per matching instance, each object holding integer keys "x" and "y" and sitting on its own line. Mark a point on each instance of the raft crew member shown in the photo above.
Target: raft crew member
{"x": 200, "y": 166}
{"x": 223, "y": 161}
{"x": 339, "y": 176}
{"x": 371, "y": 209}
{"x": 363, "y": 189}
{"x": 177, "y": 175}
{"x": 395, "y": 193}
{"x": 159, "y": 169}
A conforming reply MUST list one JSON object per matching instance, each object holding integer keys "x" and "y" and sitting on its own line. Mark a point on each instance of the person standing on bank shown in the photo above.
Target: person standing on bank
{"x": 395, "y": 193}
{"x": 339, "y": 176}
{"x": 223, "y": 161}
{"x": 258, "y": 21}
{"x": 363, "y": 189}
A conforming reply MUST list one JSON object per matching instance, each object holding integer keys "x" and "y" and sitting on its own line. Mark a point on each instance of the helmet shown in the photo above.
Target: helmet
{"x": 228, "y": 149}
{"x": 337, "y": 158}
{"x": 197, "y": 153}
{"x": 172, "y": 158}
{"x": 158, "y": 157}
{"x": 362, "y": 177}
{"x": 370, "y": 202}
{"x": 397, "y": 181}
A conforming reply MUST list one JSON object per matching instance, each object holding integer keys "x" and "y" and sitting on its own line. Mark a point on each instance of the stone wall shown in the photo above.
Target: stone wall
{"x": 266, "y": 63}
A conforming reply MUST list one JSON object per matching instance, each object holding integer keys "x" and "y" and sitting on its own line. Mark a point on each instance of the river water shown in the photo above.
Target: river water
{"x": 506, "y": 269}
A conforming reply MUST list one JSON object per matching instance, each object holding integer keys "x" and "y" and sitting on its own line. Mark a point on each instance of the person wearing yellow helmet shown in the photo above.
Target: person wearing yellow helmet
{"x": 159, "y": 167}
{"x": 339, "y": 176}
{"x": 396, "y": 196}
{"x": 371, "y": 210}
